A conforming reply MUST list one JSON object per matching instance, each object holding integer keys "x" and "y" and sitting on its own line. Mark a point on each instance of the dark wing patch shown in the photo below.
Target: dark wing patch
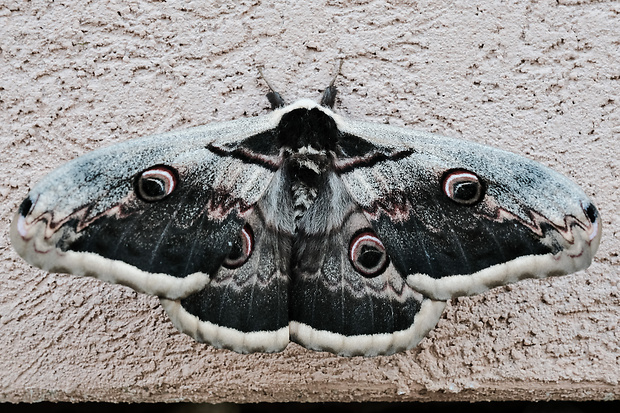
{"x": 175, "y": 236}
{"x": 258, "y": 149}
{"x": 454, "y": 240}
{"x": 253, "y": 297}
{"x": 328, "y": 294}
{"x": 246, "y": 308}
{"x": 334, "y": 307}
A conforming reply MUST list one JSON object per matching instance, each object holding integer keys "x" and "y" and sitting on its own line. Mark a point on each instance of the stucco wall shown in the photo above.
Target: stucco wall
{"x": 539, "y": 78}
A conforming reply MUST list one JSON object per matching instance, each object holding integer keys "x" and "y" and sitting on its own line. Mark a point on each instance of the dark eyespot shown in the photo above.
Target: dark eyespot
{"x": 367, "y": 254}
{"x": 25, "y": 207}
{"x": 463, "y": 187}
{"x": 592, "y": 213}
{"x": 156, "y": 183}
{"x": 241, "y": 250}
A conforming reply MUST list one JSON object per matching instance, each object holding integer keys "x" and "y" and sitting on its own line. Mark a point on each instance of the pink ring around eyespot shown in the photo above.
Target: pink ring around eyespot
{"x": 370, "y": 239}
{"x": 247, "y": 246}
{"x": 447, "y": 186}
{"x": 362, "y": 237}
{"x": 249, "y": 241}
{"x": 163, "y": 174}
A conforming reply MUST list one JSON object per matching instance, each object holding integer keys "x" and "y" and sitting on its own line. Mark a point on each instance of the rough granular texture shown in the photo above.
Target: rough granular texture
{"x": 539, "y": 79}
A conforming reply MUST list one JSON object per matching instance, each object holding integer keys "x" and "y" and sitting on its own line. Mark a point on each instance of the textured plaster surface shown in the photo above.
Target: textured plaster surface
{"x": 539, "y": 78}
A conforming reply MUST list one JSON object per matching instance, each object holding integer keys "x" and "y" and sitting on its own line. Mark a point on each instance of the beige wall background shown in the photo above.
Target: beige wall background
{"x": 539, "y": 78}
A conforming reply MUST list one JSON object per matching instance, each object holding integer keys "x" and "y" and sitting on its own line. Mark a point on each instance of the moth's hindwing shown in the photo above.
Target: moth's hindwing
{"x": 245, "y": 305}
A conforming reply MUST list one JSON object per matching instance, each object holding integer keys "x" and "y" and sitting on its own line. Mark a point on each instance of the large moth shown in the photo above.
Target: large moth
{"x": 301, "y": 225}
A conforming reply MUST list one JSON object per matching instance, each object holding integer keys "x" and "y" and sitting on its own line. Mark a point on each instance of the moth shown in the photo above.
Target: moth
{"x": 303, "y": 226}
